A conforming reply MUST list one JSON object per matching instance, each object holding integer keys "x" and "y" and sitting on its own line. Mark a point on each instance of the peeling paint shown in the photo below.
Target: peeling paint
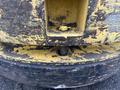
{"x": 30, "y": 28}
{"x": 81, "y": 54}
{"x": 99, "y": 31}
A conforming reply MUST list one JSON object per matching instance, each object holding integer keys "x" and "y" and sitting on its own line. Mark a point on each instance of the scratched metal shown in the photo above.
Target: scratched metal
{"x": 23, "y": 22}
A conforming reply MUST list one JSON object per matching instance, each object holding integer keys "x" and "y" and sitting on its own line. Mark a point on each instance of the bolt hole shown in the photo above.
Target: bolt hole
{"x": 64, "y": 51}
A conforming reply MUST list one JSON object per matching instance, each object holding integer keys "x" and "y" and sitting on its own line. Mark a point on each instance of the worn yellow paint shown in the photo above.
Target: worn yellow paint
{"x": 1, "y": 12}
{"x": 74, "y": 11}
{"x": 26, "y": 39}
{"x": 104, "y": 35}
{"x": 50, "y": 55}
{"x": 64, "y": 28}
{"x": 34, "y": 4}
{"x": 5, "y": 37}
{"x": 79, "y": 55}
{"x": 100, "y": 37}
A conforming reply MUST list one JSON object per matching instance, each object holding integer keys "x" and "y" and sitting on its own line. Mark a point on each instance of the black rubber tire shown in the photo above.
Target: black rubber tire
{"x": 58, "y": 76}
{"x": 7, "y": 84}
{"x": 110, "y": 84}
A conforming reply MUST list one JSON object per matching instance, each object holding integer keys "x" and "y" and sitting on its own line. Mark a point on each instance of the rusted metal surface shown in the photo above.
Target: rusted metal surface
{"x": 23, "y": 22}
